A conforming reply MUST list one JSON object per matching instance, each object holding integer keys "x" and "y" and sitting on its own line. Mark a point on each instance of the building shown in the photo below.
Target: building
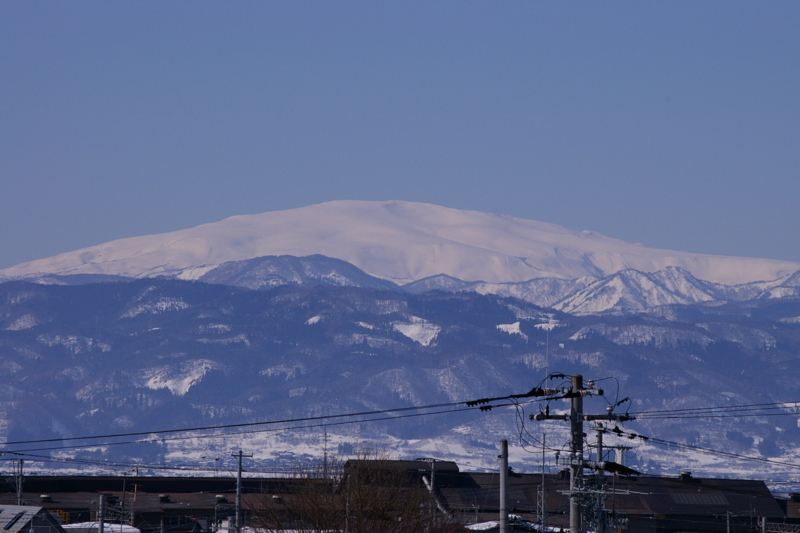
{"x": 27, "y": 519}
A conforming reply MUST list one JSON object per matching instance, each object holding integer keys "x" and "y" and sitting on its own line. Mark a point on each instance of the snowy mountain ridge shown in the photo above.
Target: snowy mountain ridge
{"x": 627, "y": 291}
{"x": 397, "y": 241}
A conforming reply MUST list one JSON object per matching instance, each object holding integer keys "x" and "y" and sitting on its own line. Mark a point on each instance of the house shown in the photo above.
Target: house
{"x": 637, "y": 504}
{"x": 27, "y": 519}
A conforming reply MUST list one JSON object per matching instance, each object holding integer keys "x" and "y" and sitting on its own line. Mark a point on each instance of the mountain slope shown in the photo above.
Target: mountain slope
{"x": 155, "y": 354}
{"x": 397, "y": 241}
{"x": 271, "y": 271}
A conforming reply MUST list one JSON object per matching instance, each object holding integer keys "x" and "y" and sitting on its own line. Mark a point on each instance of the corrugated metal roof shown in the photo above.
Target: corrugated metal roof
{"x": 644, "y": 495}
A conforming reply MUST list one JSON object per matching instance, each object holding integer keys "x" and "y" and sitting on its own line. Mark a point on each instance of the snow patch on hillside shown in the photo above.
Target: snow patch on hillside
{"x": 749, "y": 337}
{"x": 24, "y": 322}
{"x": 287, "y": 371}
{"x": 644, "y": 335}
{"x": 418, "y": 330}
{"x": 512, "y": 329}
{"x": 74, "y": 344}
{"x": 178, "y": 380}
{"x": 161, "y": 305}
{"x": 238, "y": 339}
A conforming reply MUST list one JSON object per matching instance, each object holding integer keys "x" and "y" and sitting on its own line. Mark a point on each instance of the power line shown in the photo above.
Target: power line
{"x": 229, "y": 426}
{"x": 745, "y": 407}
{"x": 268, "y": 430}
{"x": 620, "y": 433}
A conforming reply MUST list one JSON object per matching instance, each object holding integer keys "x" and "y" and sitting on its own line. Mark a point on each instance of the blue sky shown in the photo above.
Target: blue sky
{"x": 674, "y": 124}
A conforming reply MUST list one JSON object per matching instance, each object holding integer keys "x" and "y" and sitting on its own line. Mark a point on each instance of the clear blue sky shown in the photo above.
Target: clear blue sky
{"x": 674, "y": 124}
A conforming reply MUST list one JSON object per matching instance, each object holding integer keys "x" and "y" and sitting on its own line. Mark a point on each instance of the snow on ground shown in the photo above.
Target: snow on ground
{"x": 418, "y": 330}
{"x": 512, "y": 329}
{"x": 178, "y": 381}
{"x": 24, "y": 322}
{"x": 161, "y": 305}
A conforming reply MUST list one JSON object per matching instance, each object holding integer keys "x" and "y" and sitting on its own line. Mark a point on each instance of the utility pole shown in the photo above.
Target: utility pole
{"x": 599, "y": 514}
{"x": 576, "y": 453}
{"x": 133, "y": 501}
{"x": 239, "y": 455}
{"x": 542, "y": 495}
{"x": 124, "y": 490}
{"x": 325, "y": 455}
{"x": 503, "y": 486}
{"x": 19, "y": 482}
{"x": 101, "y": 514}
{"x": 575, "y": 394}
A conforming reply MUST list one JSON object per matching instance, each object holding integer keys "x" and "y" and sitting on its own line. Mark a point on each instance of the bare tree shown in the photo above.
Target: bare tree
{"x": 370, "y": 494}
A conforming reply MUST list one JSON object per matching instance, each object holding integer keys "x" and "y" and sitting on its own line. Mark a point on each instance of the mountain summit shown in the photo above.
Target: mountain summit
{"x": 397, "y": 241}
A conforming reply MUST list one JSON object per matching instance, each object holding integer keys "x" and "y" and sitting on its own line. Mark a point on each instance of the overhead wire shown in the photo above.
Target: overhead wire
{"x": 326, "y": 421}
{"x": 253, "y": 431}
{"x": 729, "y": 408}
{"x": 229, "y": 426}
{"x": 657, "y": 440}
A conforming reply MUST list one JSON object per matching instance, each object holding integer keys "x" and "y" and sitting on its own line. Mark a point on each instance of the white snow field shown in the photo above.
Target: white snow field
{"x": 397, "y": 241}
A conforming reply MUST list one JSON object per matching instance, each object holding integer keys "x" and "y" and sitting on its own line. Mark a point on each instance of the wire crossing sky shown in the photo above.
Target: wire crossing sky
{"x": 670, "y": 124}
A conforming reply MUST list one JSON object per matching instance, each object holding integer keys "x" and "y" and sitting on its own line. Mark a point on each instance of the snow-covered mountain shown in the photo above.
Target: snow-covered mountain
{"x": 154, "y": 354}
{"x": 626, "y": 291}
{"x": 397, "y": 241}
{"x": 272, "y": 271}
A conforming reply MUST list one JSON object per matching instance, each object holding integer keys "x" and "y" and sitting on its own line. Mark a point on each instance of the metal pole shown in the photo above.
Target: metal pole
{"x": 19, "y": 483}
{"x": 543, "y": 491}
{"x": 576, "y": 448}
{"x": 600, "y": 517}
{"x": 101, "y": 514}
{"x": 238, "y": 524}
{"x": 504, "y": 486}
{"x": 433, "y": 503}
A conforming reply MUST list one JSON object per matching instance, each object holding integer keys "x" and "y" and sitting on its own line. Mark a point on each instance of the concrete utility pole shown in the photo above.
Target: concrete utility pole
{"x": 238, "y": 524}
{"x": 503, "y": 486}
{"x": 576, "y": 454}
{"x": 576, "y": 418}
{"x": 600, "y": 514}
{"x": 19, "y": 482}
{"x": 541, "y": 502}
{"x": 101, "y": 514}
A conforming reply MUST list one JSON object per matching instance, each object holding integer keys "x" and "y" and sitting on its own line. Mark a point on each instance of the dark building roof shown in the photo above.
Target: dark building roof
{"x": 46, "y": 484}
{"x": 791, "y": 507}
{"x": 478, "y": 494}
{"x": 418, "y": 465}
{"x": 472, "y": 495}
{"x": 141, "y": 503}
